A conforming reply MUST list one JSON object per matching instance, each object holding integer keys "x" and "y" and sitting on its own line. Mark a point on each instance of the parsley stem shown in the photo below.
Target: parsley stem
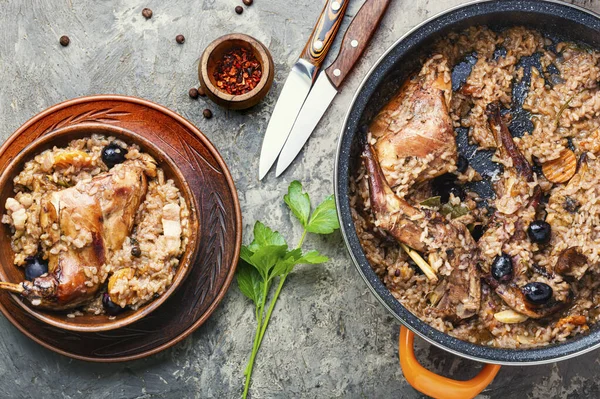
{"x": 261, "y": 327}
{"x": 251, "y": 361}
{"x": 271, "y": 307}
{"x": 276, "y": 296}
{"x": 257, "y": 339}
{"x": 256, "y": 334}
{"x": 302, "y": 238}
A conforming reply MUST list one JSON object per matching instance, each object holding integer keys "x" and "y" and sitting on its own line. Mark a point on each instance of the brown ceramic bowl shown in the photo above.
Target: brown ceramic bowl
{"x": 215, "y": 51}
{"x": 60, "y": 138}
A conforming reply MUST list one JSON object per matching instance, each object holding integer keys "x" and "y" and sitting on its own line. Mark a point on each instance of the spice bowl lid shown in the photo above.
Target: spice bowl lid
{"x": 215, "y": 51}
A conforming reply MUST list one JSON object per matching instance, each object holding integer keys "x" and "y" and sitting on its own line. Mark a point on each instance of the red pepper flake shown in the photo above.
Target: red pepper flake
{"x": 238, "y": 72}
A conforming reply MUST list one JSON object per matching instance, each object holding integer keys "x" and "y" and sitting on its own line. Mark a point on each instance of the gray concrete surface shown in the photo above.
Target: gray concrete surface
{"x": 329, "y": 336}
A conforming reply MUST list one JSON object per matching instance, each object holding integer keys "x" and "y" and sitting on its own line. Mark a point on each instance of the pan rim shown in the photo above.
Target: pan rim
{"x": 502, "y": 356}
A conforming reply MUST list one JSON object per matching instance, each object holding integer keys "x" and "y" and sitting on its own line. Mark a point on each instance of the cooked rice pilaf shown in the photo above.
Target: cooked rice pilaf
{"x": 563, "y": 107}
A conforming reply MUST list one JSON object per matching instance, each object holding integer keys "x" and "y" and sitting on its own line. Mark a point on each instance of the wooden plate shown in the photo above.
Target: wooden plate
{"x": 221, "y": 229}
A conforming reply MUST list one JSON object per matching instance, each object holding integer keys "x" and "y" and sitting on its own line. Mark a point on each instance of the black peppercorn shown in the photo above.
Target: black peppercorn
{"x": 201, "y": 92}
{"x": 248, "y": 2}
{"x": 147, "y": 13}
{"x": 180, "y": 39}
{"x": 136, "y": 251}
{"x": 193, "y": 93}
{"x": 207, "y": 113}
{"x": 64, "y": 41}
{"x": 239, "y": 9}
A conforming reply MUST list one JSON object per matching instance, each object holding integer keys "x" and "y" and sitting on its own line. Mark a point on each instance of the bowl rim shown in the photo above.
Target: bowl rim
{"x": 186, "y": 259}
{"x": 485, "y": 354}
{"x": 236, "y": 209}
{"x": 260, "y": 51}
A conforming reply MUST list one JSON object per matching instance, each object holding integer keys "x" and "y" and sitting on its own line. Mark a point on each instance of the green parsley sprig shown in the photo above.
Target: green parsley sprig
{"x": 268, "y": 259}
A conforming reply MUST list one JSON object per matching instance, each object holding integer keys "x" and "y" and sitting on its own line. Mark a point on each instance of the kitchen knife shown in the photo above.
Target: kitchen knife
{"x": 355, "y": 41}
{"x": 298, "y": 84}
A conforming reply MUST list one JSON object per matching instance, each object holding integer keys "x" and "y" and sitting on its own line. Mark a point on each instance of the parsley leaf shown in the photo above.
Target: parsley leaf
{"x": 298, "y": 202}
{"x": 285, "y": 265}
{"x": 266, "y": 257}
{"x": 324, "y": 219}
{"x": 263, "y": 235}
{"x": 312, "y": 258}
{"x": 250, "y": 282}
{"x": 295, "y": 257}
{"x": 246, "y": 254}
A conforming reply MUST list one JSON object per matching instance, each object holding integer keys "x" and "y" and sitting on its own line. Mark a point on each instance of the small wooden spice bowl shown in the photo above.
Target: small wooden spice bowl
{"x": 214, "y": 53}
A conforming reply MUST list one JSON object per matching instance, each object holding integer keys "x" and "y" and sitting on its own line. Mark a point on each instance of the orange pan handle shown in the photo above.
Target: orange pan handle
{"x": 435, "y": 385}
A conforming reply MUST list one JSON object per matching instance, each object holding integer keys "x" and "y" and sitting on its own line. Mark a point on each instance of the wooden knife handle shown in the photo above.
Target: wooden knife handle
{"x": 357, "y": 37}
{"x": 324, "y": 32}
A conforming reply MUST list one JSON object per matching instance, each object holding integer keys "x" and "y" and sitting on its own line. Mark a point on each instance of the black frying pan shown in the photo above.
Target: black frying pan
{"x": 555, "y": 19}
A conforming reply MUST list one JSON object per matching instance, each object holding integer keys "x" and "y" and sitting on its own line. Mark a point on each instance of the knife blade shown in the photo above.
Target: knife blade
{"x": 298, "y": 84}
{"x": 355, "y": 41}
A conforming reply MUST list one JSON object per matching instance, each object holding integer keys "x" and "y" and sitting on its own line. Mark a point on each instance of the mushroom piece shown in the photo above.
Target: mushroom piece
{"x": 571, "y": 263}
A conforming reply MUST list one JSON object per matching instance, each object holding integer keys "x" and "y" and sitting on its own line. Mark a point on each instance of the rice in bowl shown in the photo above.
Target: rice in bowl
{"x": 128, "y": 255}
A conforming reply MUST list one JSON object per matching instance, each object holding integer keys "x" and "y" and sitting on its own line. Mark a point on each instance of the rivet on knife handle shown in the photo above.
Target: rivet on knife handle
{"x": 325, "y": 31}
{"x": 355, "y": 40}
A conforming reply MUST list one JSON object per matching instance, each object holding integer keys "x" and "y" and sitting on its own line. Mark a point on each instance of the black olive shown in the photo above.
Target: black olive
{"x": 113, "y": 154}
{"x": 502, "y": 268}
{"x": 462, "y": 164}
{"x": 539, "y": 232}
{"x": 35, "y": 267}
{"x": 537, "y": 293}
{"x": 109, "y": 306}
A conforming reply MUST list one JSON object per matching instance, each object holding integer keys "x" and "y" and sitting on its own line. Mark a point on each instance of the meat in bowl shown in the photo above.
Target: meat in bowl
{"x": 96, "y": 226}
